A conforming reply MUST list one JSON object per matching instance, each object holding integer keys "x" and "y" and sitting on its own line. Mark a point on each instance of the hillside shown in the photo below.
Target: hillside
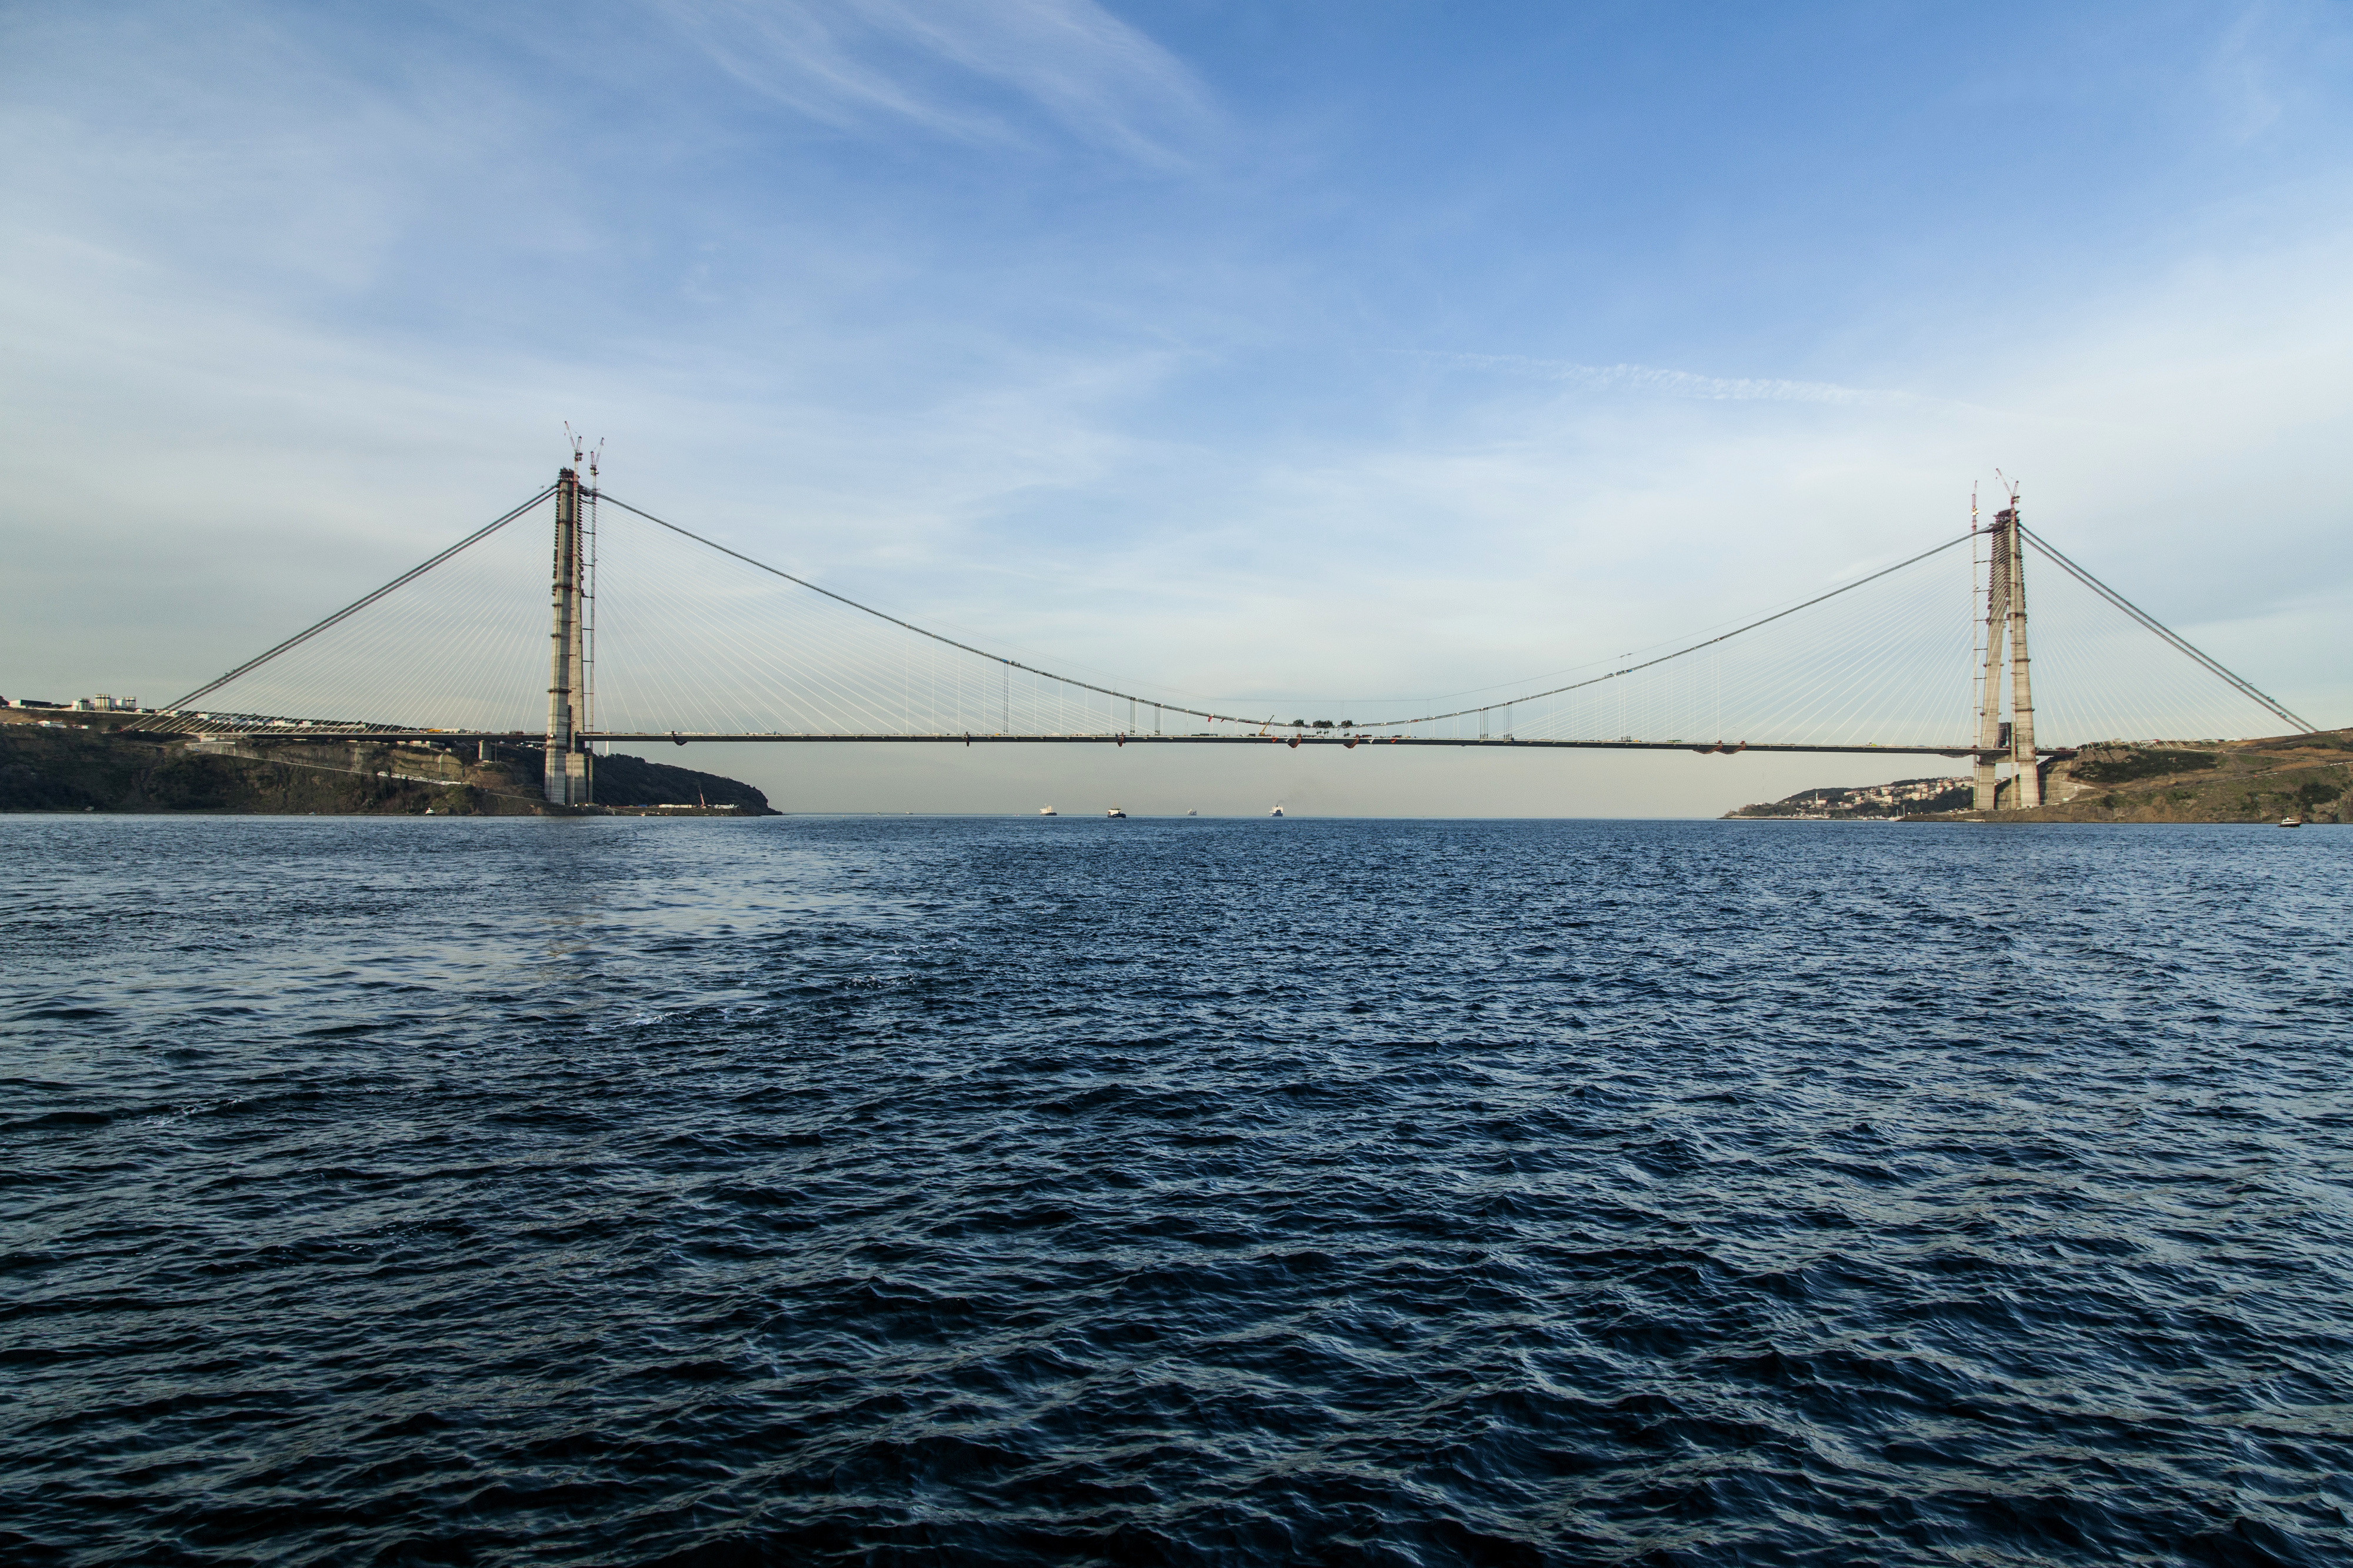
{"x": 1869, "y": 802}
{"x": 62, "y": 767}
{"x": 2305, "y": 776}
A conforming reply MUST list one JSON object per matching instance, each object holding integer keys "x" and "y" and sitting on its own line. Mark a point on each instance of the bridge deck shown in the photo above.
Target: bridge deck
{"x": 1277, "y": 738}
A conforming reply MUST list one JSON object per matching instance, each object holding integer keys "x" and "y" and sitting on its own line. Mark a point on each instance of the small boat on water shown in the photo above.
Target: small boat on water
{"x": 1048, "y": 811}
{"x": 2291, "y": 822}
{"x": 1115, "y": 812}
{"x": 1276, "y": 811}
{"x": 1192, "y": 813}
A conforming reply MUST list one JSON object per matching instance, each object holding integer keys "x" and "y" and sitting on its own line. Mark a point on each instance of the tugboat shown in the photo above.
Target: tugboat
{"x": 1116, "y": 812}
{"x": 1046, "y": 811}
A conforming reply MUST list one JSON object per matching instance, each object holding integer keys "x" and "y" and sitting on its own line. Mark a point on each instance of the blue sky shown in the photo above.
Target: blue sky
{"x": 1334, "y": 348}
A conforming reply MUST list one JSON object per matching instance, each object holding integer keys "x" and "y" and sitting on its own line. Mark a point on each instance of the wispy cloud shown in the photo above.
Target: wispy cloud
{"x": 845, "y": 62}
{"x": 1674, "y": 382}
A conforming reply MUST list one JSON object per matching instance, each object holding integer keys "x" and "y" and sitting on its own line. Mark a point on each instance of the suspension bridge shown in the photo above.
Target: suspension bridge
{"x": 644, "y": 630}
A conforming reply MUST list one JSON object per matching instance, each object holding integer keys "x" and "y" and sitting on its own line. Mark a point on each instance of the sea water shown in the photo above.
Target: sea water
{"x": 1186, "y": 1191}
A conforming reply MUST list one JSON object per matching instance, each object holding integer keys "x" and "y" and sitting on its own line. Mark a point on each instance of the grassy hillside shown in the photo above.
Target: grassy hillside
{"x": 2306, "y": 776}
{"x": 2240, "y": 781}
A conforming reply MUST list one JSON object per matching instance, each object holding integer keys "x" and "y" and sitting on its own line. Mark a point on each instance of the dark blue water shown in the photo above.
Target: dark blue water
{"x": 909, "y": 1191}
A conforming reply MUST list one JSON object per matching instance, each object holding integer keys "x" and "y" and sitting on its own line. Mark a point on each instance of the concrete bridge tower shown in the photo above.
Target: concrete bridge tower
{"x": 2006, "y": 624}
{"x": 568, "y": 781}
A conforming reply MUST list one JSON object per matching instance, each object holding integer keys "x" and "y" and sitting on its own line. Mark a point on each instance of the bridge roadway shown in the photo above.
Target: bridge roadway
{"x": 1350, "y": 739}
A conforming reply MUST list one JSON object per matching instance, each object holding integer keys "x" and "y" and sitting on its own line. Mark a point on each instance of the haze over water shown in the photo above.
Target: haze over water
{"x": 1193, "y": 1191}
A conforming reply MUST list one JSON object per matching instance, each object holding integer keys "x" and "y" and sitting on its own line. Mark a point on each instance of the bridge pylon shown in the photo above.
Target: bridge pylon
{"x": 2005, "y": 624}
{"x": 568, "y": 779}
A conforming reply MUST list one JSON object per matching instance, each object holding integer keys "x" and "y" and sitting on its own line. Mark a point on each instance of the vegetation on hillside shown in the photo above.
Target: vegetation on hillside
{"x": 2309, "y": 777}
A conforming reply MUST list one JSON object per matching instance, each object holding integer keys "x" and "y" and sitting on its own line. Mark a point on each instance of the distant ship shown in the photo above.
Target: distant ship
{"x": 1046, "y": 811}
{"x": 1192, "y": 813}
{"x": 1115, "y": 811}
{"x": 1276, "y": 811}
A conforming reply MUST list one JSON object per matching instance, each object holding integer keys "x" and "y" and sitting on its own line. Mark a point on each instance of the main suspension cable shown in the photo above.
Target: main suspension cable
{"x": 1663, "y": 658}
{"x": 884, "y": 615}
{"x": 1236, "y": 718}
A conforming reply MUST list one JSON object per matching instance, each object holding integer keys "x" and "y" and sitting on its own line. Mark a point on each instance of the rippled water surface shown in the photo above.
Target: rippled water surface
{"x": 951, "y": 1190}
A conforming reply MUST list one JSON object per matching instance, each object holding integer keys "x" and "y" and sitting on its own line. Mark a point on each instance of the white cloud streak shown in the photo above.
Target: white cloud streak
{"x": 1643, "y": 378}
{"x": 844, "y": 62}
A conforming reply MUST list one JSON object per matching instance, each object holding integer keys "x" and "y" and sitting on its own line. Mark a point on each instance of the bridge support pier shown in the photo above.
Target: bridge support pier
{"x": 2005, "y": 643}
{"x": 567, "y": 775}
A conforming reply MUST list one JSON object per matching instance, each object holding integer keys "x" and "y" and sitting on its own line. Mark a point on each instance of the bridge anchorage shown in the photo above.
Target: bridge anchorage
{"x": 656, "y": 633}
